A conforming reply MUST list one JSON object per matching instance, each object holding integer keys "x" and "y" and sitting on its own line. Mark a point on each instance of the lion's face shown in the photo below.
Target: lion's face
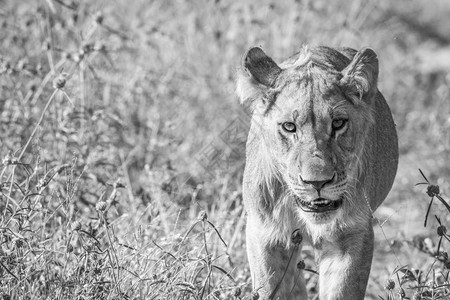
{"x": 314, "y": 128}
{"x": 314, "y": 125}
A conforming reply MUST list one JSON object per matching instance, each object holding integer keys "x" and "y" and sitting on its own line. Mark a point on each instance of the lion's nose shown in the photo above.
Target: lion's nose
{"x": 317, "y": 184}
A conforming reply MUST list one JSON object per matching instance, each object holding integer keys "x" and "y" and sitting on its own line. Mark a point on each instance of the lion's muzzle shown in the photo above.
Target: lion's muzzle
{"x": 317, "y": 182}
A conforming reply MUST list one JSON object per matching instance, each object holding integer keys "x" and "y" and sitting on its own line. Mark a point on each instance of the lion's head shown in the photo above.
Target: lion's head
{"x": 311, "y": 115}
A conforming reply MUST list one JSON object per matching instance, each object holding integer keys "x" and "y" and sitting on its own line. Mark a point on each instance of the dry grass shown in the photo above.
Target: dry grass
{"x": 110, "y": 111}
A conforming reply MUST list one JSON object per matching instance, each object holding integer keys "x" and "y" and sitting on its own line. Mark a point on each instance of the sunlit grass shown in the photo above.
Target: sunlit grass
{"x": 108, "y": 108}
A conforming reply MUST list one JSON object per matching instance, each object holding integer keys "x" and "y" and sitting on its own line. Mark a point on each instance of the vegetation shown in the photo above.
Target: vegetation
{"x": 122, "y": 143}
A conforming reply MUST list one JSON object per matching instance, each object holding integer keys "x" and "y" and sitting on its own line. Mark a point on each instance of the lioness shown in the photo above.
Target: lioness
{"x": 322, "y": 154}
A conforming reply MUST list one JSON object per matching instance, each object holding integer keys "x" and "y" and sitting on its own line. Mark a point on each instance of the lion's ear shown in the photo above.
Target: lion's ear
{"x": 258, "y": 73}
{"x": 361, "y": 75}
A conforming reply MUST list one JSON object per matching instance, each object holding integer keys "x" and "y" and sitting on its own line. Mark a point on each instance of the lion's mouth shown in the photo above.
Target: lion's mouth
{"x": 319, "y": 205}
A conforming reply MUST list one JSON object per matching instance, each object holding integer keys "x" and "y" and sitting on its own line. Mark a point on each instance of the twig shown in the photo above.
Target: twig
{"x": 38, "y": 124}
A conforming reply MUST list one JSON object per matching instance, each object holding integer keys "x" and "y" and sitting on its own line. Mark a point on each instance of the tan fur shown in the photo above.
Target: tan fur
{"x": 356, "y": 163}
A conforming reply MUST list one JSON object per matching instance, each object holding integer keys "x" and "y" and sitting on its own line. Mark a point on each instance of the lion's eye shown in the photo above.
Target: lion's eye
{"x": 338, "y": 124}
{"x": 289, "y": 126}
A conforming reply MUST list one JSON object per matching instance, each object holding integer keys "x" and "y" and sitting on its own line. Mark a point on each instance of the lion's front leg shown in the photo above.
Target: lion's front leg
{"x": 273, "y": 276}
{"x": 344, "y": 266}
